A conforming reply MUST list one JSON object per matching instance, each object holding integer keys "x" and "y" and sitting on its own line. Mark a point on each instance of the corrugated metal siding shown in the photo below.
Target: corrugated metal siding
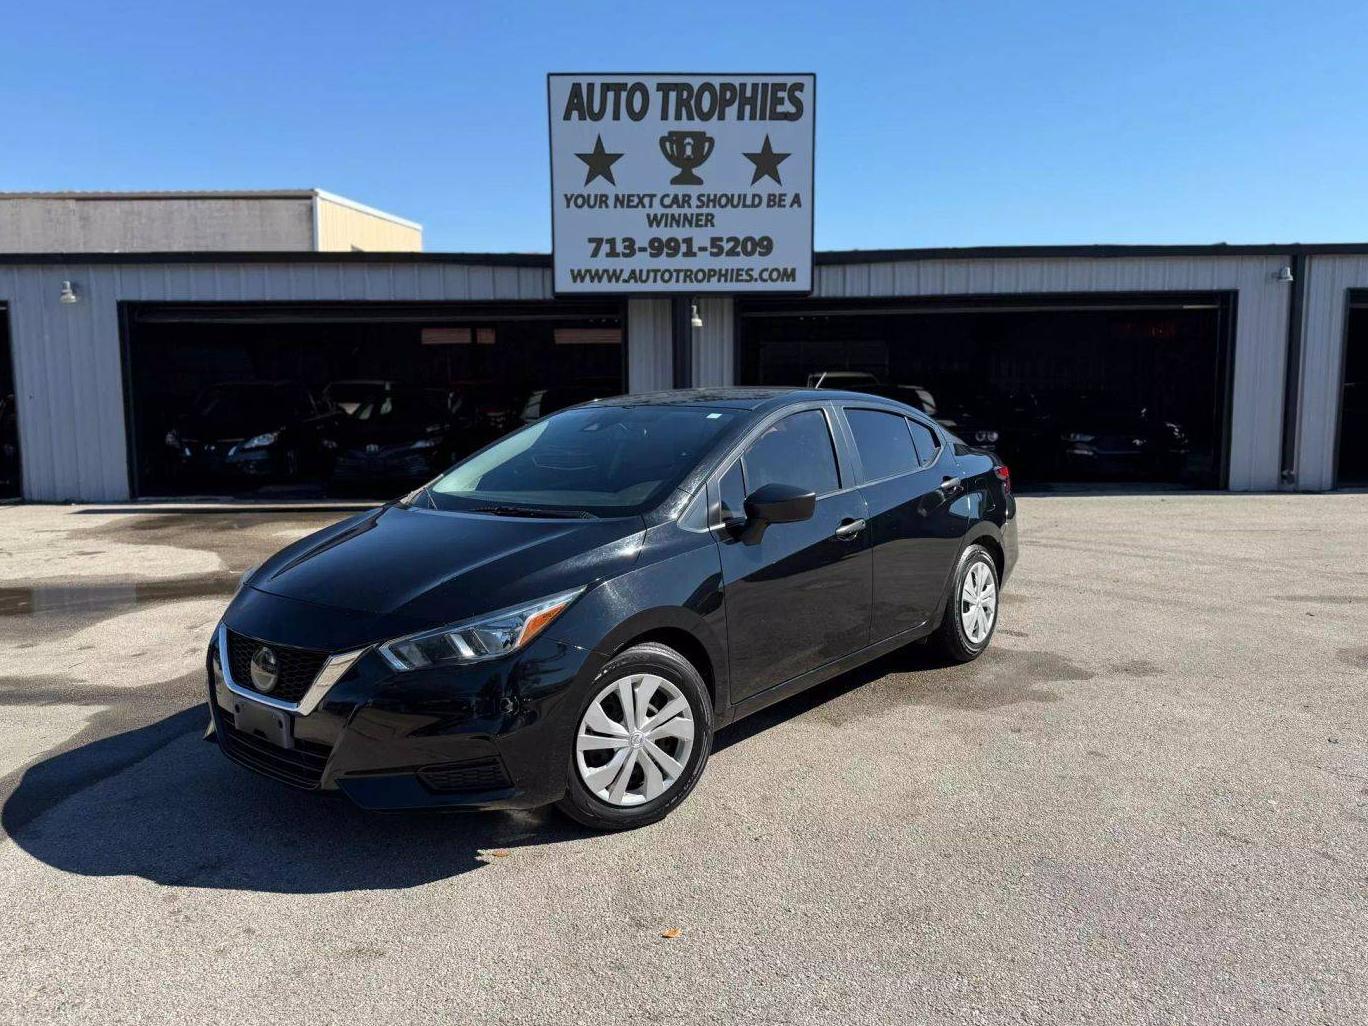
{"x": 650, "y": 366}
{"x": 1329, "y": 278}
{"x": 1260, "y": 332}
{"x": 68, "y": 368}
{"x": 67, "y": 362}
{"x": 713, "y": 363}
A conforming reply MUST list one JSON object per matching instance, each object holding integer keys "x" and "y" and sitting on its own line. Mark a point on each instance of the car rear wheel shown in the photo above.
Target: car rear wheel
{"x": 642, "y": 737}
{"x": 971, "y": 609}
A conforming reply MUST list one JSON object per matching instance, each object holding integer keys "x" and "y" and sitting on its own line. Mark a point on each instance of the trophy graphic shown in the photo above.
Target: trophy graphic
{"x": 686, "y": 151}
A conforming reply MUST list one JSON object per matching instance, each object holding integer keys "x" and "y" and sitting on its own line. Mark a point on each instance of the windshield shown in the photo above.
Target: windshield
{"x": 242, "y": 402}
{"x": 396, "y": 408}
{"x": 613, "y": 461}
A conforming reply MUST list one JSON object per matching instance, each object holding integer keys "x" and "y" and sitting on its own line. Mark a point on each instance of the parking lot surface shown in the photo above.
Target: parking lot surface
{"x": 1148, "y": 803}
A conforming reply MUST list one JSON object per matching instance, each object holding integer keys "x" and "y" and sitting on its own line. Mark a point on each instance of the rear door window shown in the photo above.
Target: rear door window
{"x": 884, "y": 443}
{"x": 794, "y": 451}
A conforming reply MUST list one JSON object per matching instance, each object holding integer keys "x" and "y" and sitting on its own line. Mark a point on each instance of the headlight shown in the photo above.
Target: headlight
{"x": 985, "y": 436}
{"x": 474, "y": 641}
{"x": 260, "y": 441}
{"x": 1072, "y": 437}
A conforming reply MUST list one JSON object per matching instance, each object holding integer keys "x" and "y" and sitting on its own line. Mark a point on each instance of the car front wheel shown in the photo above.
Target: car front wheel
{"x": 643, "y": 734}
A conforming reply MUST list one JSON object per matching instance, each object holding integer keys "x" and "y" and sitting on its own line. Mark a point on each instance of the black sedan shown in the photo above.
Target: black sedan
{"x": 265, "y": 430}
{"x": 571, "y": 613}
{"x": 396, "y": 435}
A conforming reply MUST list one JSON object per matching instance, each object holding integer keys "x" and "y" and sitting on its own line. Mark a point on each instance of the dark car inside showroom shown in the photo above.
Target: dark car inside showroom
{"x": 350, "y": 399}
{"x": 1110, "y": 391}
{"x": 369, "y": 399}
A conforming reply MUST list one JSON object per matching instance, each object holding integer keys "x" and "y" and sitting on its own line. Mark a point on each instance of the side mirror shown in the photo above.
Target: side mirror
{"x": 780, "y": 504}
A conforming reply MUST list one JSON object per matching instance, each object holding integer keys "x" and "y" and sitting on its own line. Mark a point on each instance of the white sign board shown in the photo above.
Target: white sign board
{"x": 681, "y": 183}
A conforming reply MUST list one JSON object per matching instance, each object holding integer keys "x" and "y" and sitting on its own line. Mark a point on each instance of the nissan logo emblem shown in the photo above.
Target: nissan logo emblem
{"x": 265, "y": 670}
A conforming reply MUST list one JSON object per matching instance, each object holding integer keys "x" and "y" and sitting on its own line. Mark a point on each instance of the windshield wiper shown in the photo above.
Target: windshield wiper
{"x": 528, "y": 511}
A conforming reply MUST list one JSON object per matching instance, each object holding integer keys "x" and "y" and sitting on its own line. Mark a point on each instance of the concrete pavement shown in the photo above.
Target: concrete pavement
{"x": 1148, "y": 803}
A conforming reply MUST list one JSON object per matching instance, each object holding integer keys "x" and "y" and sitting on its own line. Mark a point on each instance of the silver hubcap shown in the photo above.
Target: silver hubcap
{"x": 978, "y": 602}
{"x": 634, "y": 740}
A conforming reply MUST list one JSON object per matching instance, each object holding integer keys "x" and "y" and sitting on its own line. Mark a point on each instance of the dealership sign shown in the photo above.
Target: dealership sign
{"x": 681, "y": 183}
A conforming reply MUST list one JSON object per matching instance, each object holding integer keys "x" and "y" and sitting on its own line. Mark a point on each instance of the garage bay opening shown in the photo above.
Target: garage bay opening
{"x": 1081, "y": 391}
{"x": 347, "y": 399}
{"x": 10, "y": 480}
{"x": 1352, "y": 460}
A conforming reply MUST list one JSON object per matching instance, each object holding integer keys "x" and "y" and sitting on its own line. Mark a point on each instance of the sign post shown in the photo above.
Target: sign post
{"x": 681, "y": 184}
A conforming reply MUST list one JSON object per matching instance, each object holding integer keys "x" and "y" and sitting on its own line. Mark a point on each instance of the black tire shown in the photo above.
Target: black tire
{"x": 951, "y": 640}
{"x": 579, "y": 803}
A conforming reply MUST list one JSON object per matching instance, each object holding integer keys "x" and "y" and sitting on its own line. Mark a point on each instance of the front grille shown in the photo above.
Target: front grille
{"x": 474, "y": 775}
{"x": 301, "y": 765}
{"x": 298, "y": 667}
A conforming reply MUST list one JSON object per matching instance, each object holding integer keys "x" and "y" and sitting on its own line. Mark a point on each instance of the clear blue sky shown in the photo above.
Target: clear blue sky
{"x": 955, "y": 123}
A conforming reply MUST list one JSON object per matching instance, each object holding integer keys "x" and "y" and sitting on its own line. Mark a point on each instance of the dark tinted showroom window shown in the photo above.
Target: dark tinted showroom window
{"x": 928, "y": 445}
{"x": 884, "y": 443}
{"x": 795, "y": 451}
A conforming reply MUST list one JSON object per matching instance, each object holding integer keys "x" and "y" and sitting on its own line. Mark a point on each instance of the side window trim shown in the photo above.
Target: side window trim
{"x": 750, "y": 443}
{"x": 865, "y": 479}
{"x": 847, "y": 465}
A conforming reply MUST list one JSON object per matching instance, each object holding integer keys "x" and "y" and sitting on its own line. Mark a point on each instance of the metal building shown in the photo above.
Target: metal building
{"x": 1253, "y": 355}
{"x": 163, "y": 222}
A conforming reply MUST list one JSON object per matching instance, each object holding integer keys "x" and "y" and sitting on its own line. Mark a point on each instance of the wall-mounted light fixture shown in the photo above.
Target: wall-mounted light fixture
{"x": 1283, "y": 275}
{"x": 68, "y": 293}
{"x": 694, "y": 319}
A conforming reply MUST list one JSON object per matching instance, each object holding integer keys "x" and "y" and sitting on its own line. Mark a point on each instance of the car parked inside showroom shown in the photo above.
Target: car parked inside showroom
{"x": 9, "y": 446}
{"x": 392, "y": 436}
{"x": 569, "y": 615}
{"x": 259, "y": 430}
{"x": 1103, "y": 437}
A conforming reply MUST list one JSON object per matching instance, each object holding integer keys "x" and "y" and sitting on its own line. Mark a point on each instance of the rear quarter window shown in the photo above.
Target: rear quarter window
{"x": 927, "y": 443}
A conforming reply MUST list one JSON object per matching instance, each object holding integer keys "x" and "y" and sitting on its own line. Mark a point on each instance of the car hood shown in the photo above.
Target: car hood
{"x": 418, "y": 568}
{"x": 354, "y": 434}
{"x": 226, "y": 425}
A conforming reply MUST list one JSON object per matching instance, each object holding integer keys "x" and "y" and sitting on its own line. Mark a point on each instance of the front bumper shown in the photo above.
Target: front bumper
{"x": 493, "y": 735}
{"x": 403, "y": 463}
{"x": 196, "y": 459}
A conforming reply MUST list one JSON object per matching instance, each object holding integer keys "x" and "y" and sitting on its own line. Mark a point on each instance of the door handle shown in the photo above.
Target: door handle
{"x": 950, "y": 485}
{"x": 849, "y": 529}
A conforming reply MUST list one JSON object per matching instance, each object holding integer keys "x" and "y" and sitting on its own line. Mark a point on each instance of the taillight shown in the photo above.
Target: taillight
{"x": 1004, "y": 474}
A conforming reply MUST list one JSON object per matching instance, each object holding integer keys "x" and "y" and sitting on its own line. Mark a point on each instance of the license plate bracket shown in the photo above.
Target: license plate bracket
{"x": 262, "y": 721}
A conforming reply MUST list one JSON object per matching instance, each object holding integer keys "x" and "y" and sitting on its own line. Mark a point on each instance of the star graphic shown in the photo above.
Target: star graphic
{"x": 766, "y": 162}
{"x": 599, "y": 162}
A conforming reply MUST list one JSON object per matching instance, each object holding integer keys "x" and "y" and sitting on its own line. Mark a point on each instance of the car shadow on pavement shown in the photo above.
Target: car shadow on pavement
{"x": 159, "y": 803}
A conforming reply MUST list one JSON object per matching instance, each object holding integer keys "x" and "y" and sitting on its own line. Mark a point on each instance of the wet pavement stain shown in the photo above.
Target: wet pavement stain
{"x": 1000, "y": 678}
{"x": 1357, "y": 658}
{"x": 86, "y": 598}
{"x": 1323, "y": 600}
{"x": 240, "y": 538}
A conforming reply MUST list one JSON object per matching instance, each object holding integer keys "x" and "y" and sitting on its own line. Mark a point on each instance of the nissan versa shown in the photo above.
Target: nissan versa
{"x": 571, "y": 613}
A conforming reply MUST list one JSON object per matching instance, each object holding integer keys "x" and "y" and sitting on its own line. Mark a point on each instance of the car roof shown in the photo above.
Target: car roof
{"x": 735, "y": 398}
